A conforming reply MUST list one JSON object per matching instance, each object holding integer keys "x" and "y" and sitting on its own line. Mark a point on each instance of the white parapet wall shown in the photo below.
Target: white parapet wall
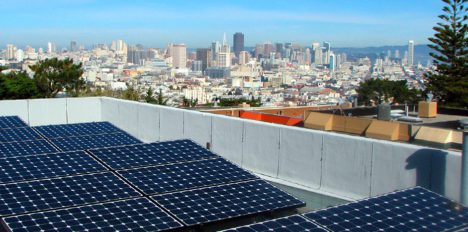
{"x": 340, "y": 165}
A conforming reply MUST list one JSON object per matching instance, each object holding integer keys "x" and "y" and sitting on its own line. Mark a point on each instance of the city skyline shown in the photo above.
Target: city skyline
{"x": 155, "y": 24}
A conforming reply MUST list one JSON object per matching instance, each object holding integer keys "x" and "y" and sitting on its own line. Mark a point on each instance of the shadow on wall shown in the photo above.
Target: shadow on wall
{"x": 430, "y": 171}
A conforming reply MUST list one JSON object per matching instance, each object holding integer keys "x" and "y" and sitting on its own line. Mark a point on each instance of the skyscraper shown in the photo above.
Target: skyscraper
{"x": 326, "y": 52}
{"x": 317, "y": 53}
{"x": 224, "y": 55}
{"x": 50, "y": 47}
{"x": 214, "y": 50}
{"x": 10, "y": 52}
{"x": 243, "y": 57}
{"x": 73, "y": 46}
{"x": 411, "y": 53}
{"x": 179, "y": 56}
{"x": 204, "y": 55}
{"x": 238, "y": 40}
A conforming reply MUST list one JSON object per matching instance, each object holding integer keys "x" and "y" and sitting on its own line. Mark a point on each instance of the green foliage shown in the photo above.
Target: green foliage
{"x": 189, "y": 102}
{"x": 131, "y": 94}
{"x": 379, "y": 91}
{"x": 161, "y": 100}
{"x": 54, "y": 75}
{"x": 149, "y": 98}
{"x": 17, "y": 86}
{"x": 449, "y": 83}
{"x": 228, "y": 102}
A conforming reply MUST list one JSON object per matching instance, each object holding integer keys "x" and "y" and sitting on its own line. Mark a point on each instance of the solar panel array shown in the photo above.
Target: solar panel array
{"x": 94, "y": 176}
{"x": 11, "y": 122}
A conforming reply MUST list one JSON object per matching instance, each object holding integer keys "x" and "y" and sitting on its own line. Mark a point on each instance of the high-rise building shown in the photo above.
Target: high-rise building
{"x": 50, "y": 47}
{"x": 204, "y": 55}
{"x": 179, "y": 56}
{"x": 308, "y": 57}
{"x": 317, "y": 53}
{"x": 326, "y": 52}
{"x": 332, "y": 63}
{"x": 267, "y": 49}
{"x": 238, "y": 40}
{"x": 243, "y": 57}
{"x": 259, "y": 51}
{"x": 411, "y": 53}
{"x": 137, "y": 54}
{"x": 279, "y": 50}
{"x": 214, "y": 50}
{"x": 10, "y": 52}
{"x": 73, "y": 46}
{"x": 397, "y": 54}
{"x": 224, "y": 55}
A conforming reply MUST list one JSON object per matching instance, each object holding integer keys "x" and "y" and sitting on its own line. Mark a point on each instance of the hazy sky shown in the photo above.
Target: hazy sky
{"x": 154, "y": 23}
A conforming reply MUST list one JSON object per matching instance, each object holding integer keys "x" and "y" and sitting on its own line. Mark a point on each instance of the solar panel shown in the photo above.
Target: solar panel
{"x": 18, "y": 134}
{"x": 415, "y": 209}
{"x": 27, "y": 197}
{"x": 181, "y": 176}
{"x": 23, "y": 168}
{"x": 293, "y": 223}
{"x": 77, "y": 129}
{"x": 31, "y": 147}
{"x": 211, "y": 204}
{"x": 94, "y": 141}
{"x": 11, "y": 122}
{"x": 152, "y": 154}
{"x": 138, "y": 214}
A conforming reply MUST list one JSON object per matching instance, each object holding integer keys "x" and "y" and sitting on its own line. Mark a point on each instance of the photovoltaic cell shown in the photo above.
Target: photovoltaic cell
{"x": 182, "y": 176}
{"x": 211, "y": 204}
{"x": 28, "y": 197}
{"x": 23, "y": 168}
{"x": 414, "y": 209}
{"x": 31, "y": 147}
{"x": 77, "y": 129}
{"x": 140, "y": 155}
{"x": 286, "y": 224}
{"x": 18, "y": 134}
{"x": 129, "y": 215}
{"x": 94, "y": 141}
{"x": 11, "y": 122}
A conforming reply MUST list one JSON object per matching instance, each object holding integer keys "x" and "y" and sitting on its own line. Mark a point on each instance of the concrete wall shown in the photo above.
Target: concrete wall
{"x": 348, "y": 166}
{"x": 340, "y": 165}
{"x": 37, "y": 112}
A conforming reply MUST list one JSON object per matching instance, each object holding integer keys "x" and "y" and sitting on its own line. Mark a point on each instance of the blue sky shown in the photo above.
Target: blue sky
{"x": 154, "y": 23}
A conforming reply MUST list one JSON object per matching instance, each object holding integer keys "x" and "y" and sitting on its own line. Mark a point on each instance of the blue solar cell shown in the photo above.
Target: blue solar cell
{"x": 22, "y": 168}
{"x": 94, "y": 141}
{"x": 77, "y": 129}
{"x": 211, "y": 204}
{"x": 152, "y": 154}
{"x": 138, "y": 214}
{"x": 18, "y": 134}
{"x": 31, "y": 147}
{"x": 31, "y": 196}
{"x": 11, "y": 122}
{"x": 287, "y": 224}
{"x": 182, "y": 176}
{"x": 415, "y": 209}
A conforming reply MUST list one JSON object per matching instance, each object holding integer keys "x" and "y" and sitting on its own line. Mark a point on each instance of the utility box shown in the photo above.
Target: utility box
{"x": 319, "y": 121}
{"x": 427, "y": 109}
{"x": 383, "y": 130}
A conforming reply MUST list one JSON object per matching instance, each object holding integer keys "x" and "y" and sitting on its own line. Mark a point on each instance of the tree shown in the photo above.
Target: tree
{"x": 17, "y": 86}
{"x": 377, "y": 91}
{"x": 449, "y": 82}
{"x": 161, "y": 100}
{"x": 131, "y": 94}
{"x": 54, "y": 75}
{"x": 189, "y": 102}
{"x": 149, "y": 98}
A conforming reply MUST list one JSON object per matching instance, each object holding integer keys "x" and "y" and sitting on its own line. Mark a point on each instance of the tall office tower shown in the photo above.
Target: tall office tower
{"x": 317, "y": 53}
{"x": 119, "y": 46}
{"x": 214, "y": 50}
{"x": 137, "y": 54}
{"x": 10, "y": 52}
{"x": 204, "y": 55}
{"x": 326, "y": 52}
{"x": 179, "y": 56}
{"x": 267, "y": 49}
{"x": 411, "y": 53}
{"x": 397, "y": 54}
{"x": 279, "y": 50}
{"x": 238, "y": 39}
{"x": 389, "y": 54}
{"x": 19, "y": 55}
{"x": 50, "y": 47}
{"x": 308, "y": 57}
{"x": 243, "y": 57}
{"x": 73, "y": 46}
{"x": 338, "y": 61}
{"x": 223, "y": 58}
{"x": 258, "y": 51}
{"x": 332, "y": 63}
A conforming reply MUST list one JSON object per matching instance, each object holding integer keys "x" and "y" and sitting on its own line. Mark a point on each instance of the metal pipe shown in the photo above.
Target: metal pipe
{"x": 464, "y": 177}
